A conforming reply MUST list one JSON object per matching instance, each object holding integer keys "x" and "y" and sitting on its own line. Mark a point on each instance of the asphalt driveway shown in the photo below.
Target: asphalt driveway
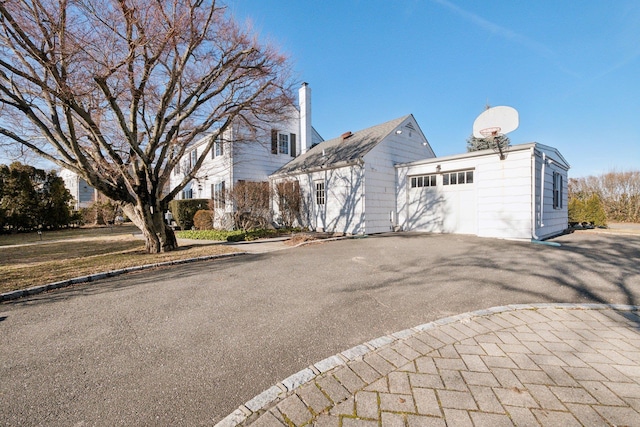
{"x": 187, "y": 345}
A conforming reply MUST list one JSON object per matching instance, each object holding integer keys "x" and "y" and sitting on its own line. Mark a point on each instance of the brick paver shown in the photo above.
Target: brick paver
{"x": 516, "y": 365}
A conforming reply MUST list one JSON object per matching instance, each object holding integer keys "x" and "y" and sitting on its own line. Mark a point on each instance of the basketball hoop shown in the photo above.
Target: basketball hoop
{"x": 491, "y": 132}
{"x": 494, "y": 123}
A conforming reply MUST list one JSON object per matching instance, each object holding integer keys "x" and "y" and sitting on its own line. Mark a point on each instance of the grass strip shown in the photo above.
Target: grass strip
{"x": 26, "y": 266}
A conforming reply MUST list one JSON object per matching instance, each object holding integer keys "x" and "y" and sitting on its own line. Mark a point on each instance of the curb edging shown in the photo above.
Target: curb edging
{"x": 34, "y": 290}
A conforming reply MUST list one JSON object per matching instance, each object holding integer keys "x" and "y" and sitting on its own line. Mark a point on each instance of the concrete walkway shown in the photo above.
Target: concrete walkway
{"x": 546, "y": 364}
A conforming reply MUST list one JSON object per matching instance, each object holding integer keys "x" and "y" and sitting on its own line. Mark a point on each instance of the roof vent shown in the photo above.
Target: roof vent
{"x": 346, "y": 135}
{"x": 410, "y": 126}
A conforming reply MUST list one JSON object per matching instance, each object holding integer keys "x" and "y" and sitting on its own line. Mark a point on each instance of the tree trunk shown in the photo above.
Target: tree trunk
{"x": 159, "y": 237}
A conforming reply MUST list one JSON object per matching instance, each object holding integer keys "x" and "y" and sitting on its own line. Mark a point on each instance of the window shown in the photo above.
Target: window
{"x": 557, "y": 191}
{"x": 423, "y": 181}
{"x": 283, "y": 143}
{"x": 320, "y": 193}
{"x": 193, "y": 158}
{"x": 187, "y": 194}
{"x": 176, "y": 170}
{"x": 218, "y": 193}
{"x": 217, "y": 148}
{"x": 455, "y": 178}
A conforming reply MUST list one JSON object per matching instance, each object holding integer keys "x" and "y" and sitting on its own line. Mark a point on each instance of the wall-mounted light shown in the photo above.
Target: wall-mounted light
{"x": 438, "y": 168}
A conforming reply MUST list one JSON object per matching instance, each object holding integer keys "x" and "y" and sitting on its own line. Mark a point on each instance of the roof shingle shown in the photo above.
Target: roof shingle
{"x": 341, "y": 152}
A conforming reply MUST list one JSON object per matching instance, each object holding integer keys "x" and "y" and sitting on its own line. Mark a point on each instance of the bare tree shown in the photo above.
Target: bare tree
{"x": 250, "y": 201}
{"x": 618, "y": 190}
{"x": 117, "y": 90}
{"x": 289, "y": 196}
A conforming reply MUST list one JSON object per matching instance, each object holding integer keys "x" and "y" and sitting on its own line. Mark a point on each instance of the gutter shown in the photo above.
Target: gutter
{"x": 300, "y": 171}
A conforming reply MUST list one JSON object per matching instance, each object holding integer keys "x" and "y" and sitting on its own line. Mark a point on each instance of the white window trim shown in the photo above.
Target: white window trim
{"x": 446, "y": 177}
{"x": 320, "y": 193}
{"x": 283, "y": 143}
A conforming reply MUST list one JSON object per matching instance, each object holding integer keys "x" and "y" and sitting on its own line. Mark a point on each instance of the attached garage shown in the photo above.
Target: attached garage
{"x": 523, "y": 196}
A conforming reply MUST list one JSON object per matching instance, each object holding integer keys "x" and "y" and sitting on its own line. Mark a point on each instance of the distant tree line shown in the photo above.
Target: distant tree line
{"x": 32, "y": 198}
{"x": 611, "y": 197}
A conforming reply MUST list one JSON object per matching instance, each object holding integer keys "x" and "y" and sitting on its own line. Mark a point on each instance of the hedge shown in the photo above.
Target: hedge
{"x": 184, "y": 210}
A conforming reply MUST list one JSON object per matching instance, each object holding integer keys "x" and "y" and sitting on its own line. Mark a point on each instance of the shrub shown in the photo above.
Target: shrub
{"x": 594, "y": 211}
{"x": 619, "y": 193}
{"x": 101, "y": 212}
{"x": 203, "y": 220}
{"x": 221, "y": 235}
{"x": 230, "y": 236}
{"x": 590, "y": 210}
{"x": 576, "y": 210}
{"x": 184, "y": 210}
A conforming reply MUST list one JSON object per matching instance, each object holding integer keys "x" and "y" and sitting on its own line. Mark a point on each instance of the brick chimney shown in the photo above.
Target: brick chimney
{"x": 304, "y": 100}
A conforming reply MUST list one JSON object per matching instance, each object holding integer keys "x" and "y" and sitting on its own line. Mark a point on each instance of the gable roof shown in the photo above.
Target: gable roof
{"x": 338, "y": 152}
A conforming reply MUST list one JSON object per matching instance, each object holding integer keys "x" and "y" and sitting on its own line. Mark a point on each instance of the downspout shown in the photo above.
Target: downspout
{"x": 542, "y": 172}
{"x": 533, "y": 196}
{"x": 363, "y": 191}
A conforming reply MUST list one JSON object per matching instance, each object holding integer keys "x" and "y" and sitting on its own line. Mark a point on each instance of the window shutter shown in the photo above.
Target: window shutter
{"x": 293, "y": 144}
{"x": 560, "y": 196}
{"x": 274, "y": 141}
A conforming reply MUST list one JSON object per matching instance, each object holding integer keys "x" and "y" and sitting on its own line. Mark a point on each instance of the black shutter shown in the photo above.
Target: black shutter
{"x": 223, "y": 195}
{"x": 293, "y": 144}
{"x": 274, "y": 141}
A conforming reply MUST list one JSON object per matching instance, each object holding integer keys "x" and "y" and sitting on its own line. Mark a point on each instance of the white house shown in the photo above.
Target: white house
{"x": 349, "y": 183}
{"x": 244, "y": 155}
{"x": 386, "y": 178}
{"x": 523, "y": 196}
{"x": 83, "y": 193}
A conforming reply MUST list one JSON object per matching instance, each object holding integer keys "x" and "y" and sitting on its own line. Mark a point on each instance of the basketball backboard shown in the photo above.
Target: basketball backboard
{"x": 496, "y": 121}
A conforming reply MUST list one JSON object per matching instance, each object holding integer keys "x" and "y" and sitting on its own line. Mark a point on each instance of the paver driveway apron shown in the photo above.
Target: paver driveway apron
{"x": 539, "y": 364}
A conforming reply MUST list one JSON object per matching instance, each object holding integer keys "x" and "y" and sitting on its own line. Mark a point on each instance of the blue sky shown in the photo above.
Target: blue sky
{"x": 571, "y": 68}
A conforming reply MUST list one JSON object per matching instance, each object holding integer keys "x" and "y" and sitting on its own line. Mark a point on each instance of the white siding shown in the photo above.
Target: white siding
{"x": 504, "y": 201}
{"x": 496, "y": 204}
{"x": 246, "y": 156}
{"x": 252, "y": 157}
{"x": 83, "y": 193}
{"x": 504, "y": 196}
{"x": 380, "y": 174}
{"x": 343, "y": 211}
{"x": 553, "y": 220}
